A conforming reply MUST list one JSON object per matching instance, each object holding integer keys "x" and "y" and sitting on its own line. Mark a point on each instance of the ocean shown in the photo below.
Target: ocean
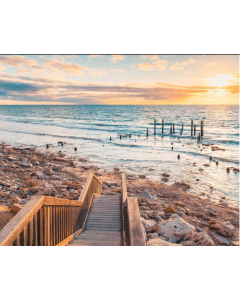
{"x": 89, "y": 128}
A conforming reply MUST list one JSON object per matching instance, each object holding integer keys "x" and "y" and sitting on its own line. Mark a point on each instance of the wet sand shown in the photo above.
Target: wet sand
{"x": 25, "y": 172}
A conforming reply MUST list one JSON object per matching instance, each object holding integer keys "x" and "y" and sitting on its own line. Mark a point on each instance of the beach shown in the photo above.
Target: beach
{"x": 29, "y": 171}
{"x": 95, "y": 131}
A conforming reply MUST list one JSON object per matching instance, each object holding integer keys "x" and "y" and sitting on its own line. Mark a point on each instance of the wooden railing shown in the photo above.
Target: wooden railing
{"x": 50, "y": 221}
{"x": 133, "y": 231}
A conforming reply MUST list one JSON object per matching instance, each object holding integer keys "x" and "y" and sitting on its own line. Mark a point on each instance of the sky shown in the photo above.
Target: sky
{"x": 119, "y": 79}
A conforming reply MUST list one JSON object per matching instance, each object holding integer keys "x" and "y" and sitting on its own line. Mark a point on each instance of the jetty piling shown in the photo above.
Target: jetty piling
{"x": 147, "y": 132}
{"x": 201, "y": 128}
{"x": 173, "y": 128}
{"x": 191, "y": 127}
{"x": 162, "y": 125}
{"x": 194, "y": 129}
{"x": 155, "y": 126}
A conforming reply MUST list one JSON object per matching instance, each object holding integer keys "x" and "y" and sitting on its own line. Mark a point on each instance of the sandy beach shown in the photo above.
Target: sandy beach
{"x": 25, "y": 172}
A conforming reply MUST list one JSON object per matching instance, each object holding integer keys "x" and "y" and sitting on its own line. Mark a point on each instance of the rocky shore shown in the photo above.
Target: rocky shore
{"x": 170, "y": 216}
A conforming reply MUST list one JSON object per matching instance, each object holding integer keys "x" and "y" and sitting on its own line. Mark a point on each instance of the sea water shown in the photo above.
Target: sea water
{"x": 89, "y": 128}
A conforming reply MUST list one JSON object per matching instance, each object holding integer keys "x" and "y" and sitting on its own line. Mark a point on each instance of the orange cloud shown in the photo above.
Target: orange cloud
{"x": 151, "y": 57}
{"x": 159, "y": 65}
{"x": 116, "y": 58}
{"x": 94, "y": 56}
{"x": 180, "y": 65}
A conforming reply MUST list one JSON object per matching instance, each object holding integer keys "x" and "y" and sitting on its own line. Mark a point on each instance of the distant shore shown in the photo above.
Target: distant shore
{"x": 25, "y": 171}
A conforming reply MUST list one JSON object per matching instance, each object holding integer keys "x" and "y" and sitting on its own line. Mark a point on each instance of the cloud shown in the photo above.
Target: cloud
{"x": 150, "y": 57}
{"x": 116, "y": 58}
{"x": 67, "y": 67}
{"x": 181, "y": 65}
{"x": 18, "y": 60}
{"x": 94, "y": 56}
{"x": 211, "y": 64}
{"x": 159, "y": 65}
{"x": 118, "y": 70}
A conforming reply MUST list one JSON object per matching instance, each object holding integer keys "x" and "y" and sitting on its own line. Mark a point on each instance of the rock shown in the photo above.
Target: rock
{"x": 206, "y": 165}
{"x": 34, "y": 190}
{"x": 175, "y": 229}
{"x": 55, "y": 177}
{"x": 25, "y": 164}
{"x": 160, "y": 242}
{"x": 142, "y": 176}
{"x": 170, "y": 209}
{"x": 47, "y": 191}
{"x": 5, "y": 217}
{"x": 225, "y": 228}
{"x": 187, "y": 243}
{"x": 152, "y": 235}
{"x": 116, "y": 169}
{"x": 165, "y": 174}
{"x": 164, "y": 179}
{"x": 212, "y": 212}
{"x": 4, "y": 183}
{"x": 15, "y": 208}
{"x": 220, "y": 240}
{"x": 202, "y": 239}
{"x": 30, "y": 183}
{"x": 149, "y": 225}
{"x": 40, "y": 175}
{"x": 73, "y": 193}
{"x": 145, "y": 194}
{"x": 179, "y": 203}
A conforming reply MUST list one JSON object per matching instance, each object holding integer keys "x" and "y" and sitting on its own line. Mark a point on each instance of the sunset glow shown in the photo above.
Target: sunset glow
{"x": 119, "y": 79}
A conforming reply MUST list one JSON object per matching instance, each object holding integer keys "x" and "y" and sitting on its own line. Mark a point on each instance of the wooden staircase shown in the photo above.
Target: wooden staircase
{"x": 93, "y": 220}
{"x": 104, "y": 223}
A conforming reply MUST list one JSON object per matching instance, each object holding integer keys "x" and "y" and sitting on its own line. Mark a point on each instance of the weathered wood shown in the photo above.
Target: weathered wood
{"x": 41, "y": 231}
{"x": 162, "y": 125}
{"x": 191, "y": 127}
{"x": 35, "y": 230}
{"x": 135, "y": 225}
{"x": 14, "y": 227}
{"x": 194, "y": 129}
{"x": 69, "y": 238}
{"x": 173, "y": 128}
{"x": 25, "y": 238}
{"x": 155, "y": 125}
{"x": 60, "y": 202}
{"x": 147, "y": 132}
{"x": 201, "y": 128}
{"x": 31, "y": 232}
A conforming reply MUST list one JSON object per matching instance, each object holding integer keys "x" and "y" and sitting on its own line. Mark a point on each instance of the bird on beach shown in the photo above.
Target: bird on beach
{"x": 75, "y": 149}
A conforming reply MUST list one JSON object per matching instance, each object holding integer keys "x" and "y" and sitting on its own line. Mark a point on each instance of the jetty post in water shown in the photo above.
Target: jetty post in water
{"x": 154, "y": 126}
{"x": 191, "y": 127}
{"x": 201, "y": 128}
{"x": 162, "y": 125}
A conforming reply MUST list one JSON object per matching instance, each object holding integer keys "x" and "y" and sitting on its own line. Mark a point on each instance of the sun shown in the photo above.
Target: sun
{"x": 220, "y": 80}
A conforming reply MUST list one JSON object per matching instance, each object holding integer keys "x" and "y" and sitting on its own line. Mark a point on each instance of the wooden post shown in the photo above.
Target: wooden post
{"x": 194, "y": 129}
{"x": 182, "y": 127}
{"x": 162, "y": 125}
{"x": 191, "y": 127}
{"x": 155, "y": 126}
{"x": 201, "y": 128}
{"x": 173, "y": 128}
{"x": 147, "y": 131}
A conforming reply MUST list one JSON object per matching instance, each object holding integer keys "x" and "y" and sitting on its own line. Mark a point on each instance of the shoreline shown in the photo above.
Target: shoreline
{"x": 25, "y": 171}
